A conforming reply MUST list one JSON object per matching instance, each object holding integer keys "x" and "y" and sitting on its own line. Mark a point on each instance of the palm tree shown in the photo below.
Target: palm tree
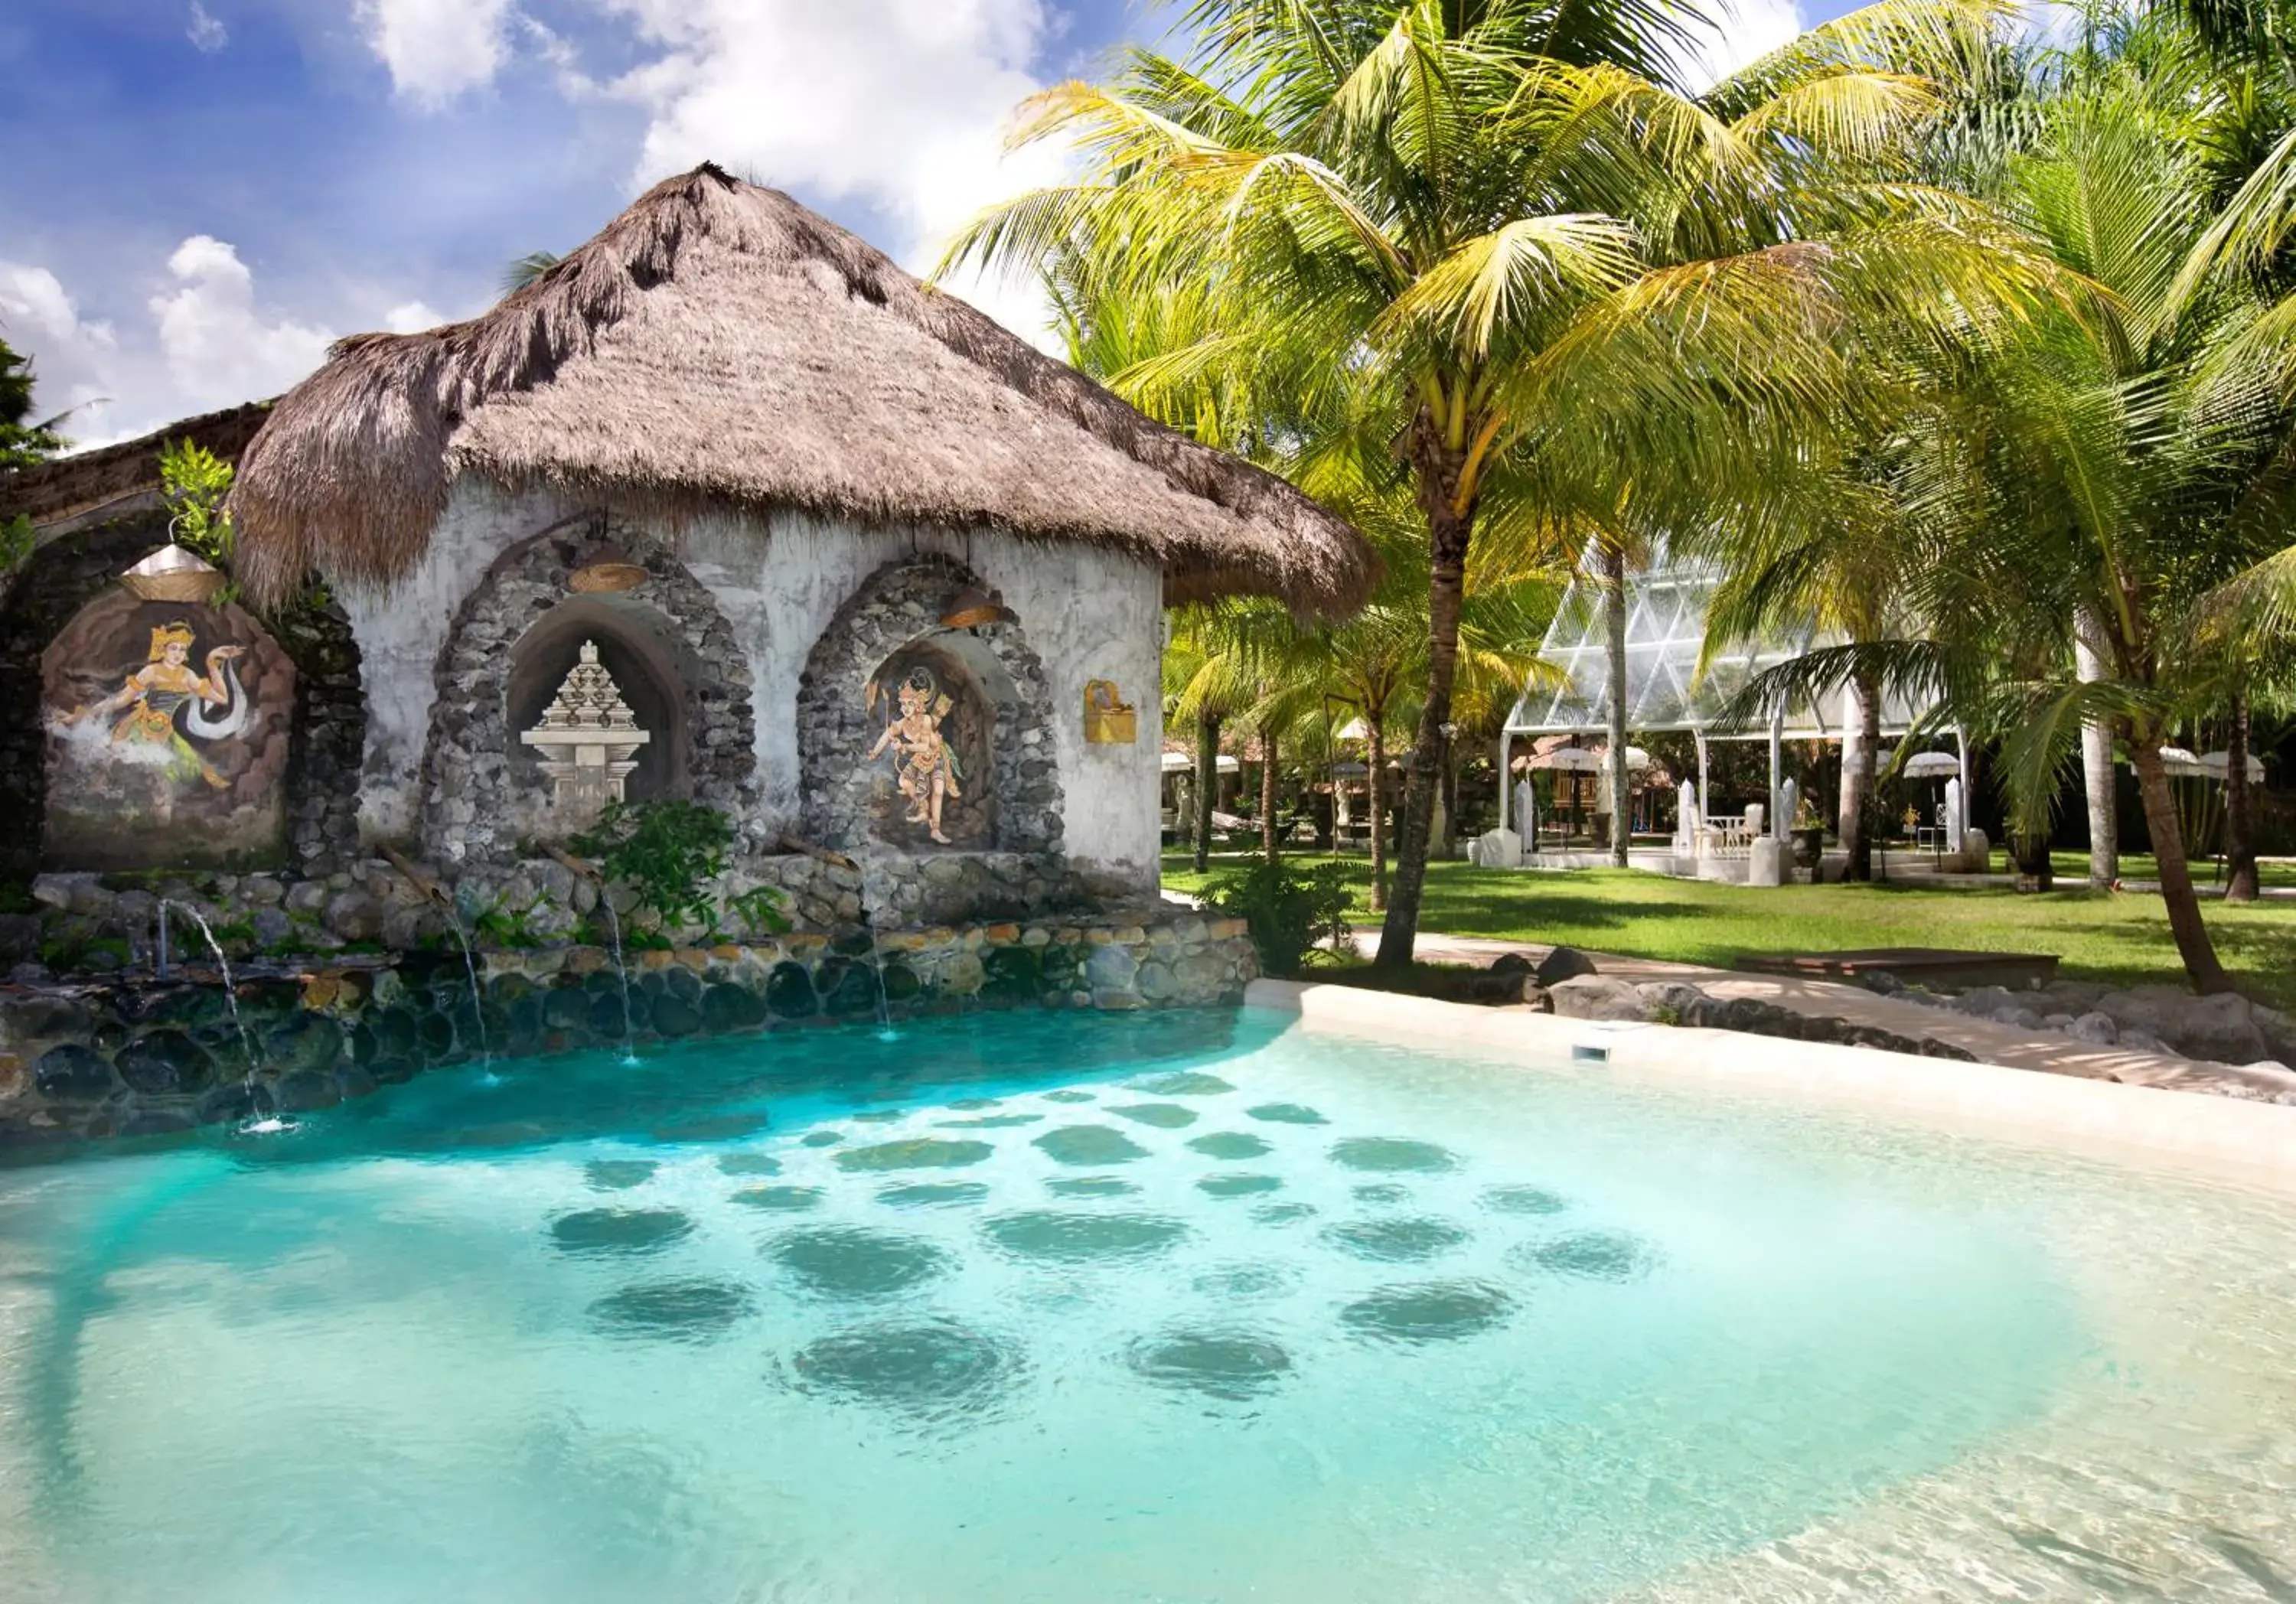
{"x": 1497, "y": 219}
{"x": 2128, "y": 460}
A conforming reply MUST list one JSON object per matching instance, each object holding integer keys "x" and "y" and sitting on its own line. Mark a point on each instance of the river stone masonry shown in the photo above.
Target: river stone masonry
{"x": 142, "y": 1058}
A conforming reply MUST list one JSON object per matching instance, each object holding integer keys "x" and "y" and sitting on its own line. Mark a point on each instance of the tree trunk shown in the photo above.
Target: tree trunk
{"x": 2184, "y": 905}
{"x": 1267, "y": 791}
{"x": 2240, "y": 815}
{"x": 1207, "y": 730}
{"x": 1375, "y": 791}
{"x": 1857, "y": 781}
{"x": 1437, "y": 469}
{"x": 1614, "y": 564}
{"x": 2098, "y": 778}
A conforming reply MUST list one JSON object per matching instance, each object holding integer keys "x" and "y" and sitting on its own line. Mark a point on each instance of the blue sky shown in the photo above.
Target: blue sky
{"x": 201, "y": 193}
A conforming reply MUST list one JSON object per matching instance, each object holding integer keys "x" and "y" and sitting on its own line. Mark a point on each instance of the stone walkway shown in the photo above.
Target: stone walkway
{"x": 1990, "y": 1041}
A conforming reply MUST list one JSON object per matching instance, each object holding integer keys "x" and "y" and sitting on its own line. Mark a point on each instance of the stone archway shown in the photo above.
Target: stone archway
{"x": 71, "y": 571}
{"x": 887, "y": 630}
{"x": 669, "y": 647}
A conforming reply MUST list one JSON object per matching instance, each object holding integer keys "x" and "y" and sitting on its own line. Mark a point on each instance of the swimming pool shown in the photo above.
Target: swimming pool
{"x": 1187, "y": 1307}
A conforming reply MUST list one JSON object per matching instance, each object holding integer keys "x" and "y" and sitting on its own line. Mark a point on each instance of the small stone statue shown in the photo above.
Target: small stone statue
{"x": 927, "y": 768}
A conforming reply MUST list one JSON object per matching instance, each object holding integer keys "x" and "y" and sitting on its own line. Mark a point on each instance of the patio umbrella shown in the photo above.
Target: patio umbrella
{"x": 1178, "y": 762}
{"x": 1932, "y": 765}
{"x": 1570, "y": 760}
{"x": 2176, "y": 760}
{"x": 2217, "y": 764}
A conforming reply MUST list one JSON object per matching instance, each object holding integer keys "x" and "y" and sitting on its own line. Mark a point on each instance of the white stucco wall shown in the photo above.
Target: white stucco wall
{"x": 400, "y": 631}
{"x": 1088, "y": 613}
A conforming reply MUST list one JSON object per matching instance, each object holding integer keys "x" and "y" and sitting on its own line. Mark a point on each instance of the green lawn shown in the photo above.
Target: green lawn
{"x": 2122, "y": 939}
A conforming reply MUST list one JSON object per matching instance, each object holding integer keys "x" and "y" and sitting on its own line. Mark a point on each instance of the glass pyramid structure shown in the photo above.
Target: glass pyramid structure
{"x": 1666, "y": 630}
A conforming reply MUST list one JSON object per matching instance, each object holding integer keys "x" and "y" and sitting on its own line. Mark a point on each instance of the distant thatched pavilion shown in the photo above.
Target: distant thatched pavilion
{"x": 868, "y": 571}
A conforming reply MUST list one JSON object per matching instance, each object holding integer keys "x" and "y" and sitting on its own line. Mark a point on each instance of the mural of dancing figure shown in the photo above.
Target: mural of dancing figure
{"x": 164, "y": 686}
{"x": 925, "y": 763}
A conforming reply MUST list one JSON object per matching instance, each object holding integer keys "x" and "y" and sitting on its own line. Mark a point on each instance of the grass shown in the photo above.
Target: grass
{"x": 2121, "y": 939}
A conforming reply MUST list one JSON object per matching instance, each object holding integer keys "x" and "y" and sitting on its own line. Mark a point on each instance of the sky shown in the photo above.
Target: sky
{"x": 201, "y": 194}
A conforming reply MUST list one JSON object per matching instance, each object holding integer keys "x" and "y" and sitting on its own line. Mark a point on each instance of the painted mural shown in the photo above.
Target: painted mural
{"x": 930, "y": 752}
{"x": 168, "y": 732}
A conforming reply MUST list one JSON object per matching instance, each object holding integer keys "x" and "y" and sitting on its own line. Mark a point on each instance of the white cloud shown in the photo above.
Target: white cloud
{"x": 1743, "y": 31}
{"x": 437, "y": 49}
{"x": 412, "y": 318}
{"x": 896, "y": 105}
{"x": 218, "y": 347}
{"x": 206, "y": 32}
{"x": 71, "y": 356}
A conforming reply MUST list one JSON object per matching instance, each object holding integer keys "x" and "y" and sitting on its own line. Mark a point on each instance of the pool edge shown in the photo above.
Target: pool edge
{"x": 2226, "y": 1139}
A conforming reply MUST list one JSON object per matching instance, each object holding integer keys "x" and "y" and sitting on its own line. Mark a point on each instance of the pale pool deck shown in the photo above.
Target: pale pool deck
{"x": 1992, "y": 1041}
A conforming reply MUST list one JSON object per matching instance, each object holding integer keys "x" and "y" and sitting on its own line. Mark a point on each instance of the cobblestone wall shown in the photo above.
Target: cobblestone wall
{"x": 140, "y": 1057}
{"x": 895, "y": 605}
{"x": 468, "y": 764}
{"x": 324, "y": 741}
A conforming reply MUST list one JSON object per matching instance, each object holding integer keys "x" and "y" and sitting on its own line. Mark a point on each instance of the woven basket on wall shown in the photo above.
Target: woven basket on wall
{"x": 172, "y": 574}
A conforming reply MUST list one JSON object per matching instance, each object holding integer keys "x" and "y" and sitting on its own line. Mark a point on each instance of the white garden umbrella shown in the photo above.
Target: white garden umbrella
{"x": 1569, "y": 760}
{"x": 1180, "y": 762}
{"x": 2176, "y": 760}
{"x": 1932, "y": 765}
{"x": 2217, "y": 765}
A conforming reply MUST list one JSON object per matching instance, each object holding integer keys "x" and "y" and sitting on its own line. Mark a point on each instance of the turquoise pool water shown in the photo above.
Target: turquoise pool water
{"x": 1183, "y": 1308}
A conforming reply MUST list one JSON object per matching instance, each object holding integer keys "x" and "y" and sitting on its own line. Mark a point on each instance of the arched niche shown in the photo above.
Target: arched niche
{"x": 650, "y": 668}
{"x": 670, "y": 650}
{"x": 999, "y": 721}
{"x": 168, "y": 738}
{"x": 65, "y": 574}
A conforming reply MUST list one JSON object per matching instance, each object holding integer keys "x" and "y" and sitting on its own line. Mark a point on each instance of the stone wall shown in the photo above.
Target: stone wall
{"x": 480, "y": 791}
{"x": 141, "y": 1057}
{"x": 68, "y": 572}
{"x": 895, "y": 607}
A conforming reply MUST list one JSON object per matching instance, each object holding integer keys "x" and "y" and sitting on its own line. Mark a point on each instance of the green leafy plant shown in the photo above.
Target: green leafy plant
{"x": 193, "y": 482}
{"x": 1288, "y": 909}
{"x": 667, "y": 850}
{"x": 17, "y": 539}
{"x": 760, "y": 910}
{"x": 501, "y": 926}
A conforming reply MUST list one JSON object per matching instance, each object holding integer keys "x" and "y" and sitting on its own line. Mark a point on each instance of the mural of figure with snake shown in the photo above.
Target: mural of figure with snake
{"x": 165, "y": 686}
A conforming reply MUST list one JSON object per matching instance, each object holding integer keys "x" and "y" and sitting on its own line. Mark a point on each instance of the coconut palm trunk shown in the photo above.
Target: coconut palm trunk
{"x": 1207, "y": 730}
{"x": 2098, "y": 778}
{"x": 2240, "y": 813}
{"x": 1615, "y": 606}
{"x": 1857, "y": 780}
{"x": 1375, "y": 786}
{"x": 1439, "y": 470}
{"x": 1267, "y": 791}
{"x": 2184, "y": 905}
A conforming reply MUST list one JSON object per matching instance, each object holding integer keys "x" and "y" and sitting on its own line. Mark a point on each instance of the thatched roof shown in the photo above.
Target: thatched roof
{"x": 119, "y": 479}
{"x": 719, "y": 343}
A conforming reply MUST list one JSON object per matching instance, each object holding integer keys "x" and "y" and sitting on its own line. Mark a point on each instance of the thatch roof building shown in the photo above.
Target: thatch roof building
{"x": 717, "y": 344}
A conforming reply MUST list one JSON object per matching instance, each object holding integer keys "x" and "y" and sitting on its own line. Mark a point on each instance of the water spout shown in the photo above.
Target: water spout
{"x": 614, "y": 931}
{"x": 885, "y": 1031}
{"x": 260, "y": 1125}
{"x": 477, "y": 995}
{"x": 437, "y": 893}
{"x": 589, "y": 872}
